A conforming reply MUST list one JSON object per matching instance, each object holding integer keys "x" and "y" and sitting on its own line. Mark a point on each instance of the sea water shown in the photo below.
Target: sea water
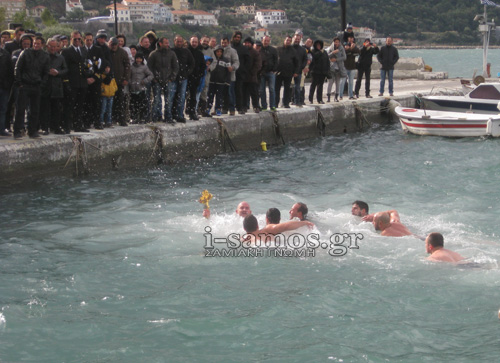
{"x": 112, "y": 267}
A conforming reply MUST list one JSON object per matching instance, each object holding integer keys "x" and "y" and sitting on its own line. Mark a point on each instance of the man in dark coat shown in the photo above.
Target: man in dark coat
{"x": 75, "y": 56}
{"x": 388, "y": 57}
{"x": 52, "y": 92}
{"x": 302, "y": 57}
{"x": 241, "y": 72}
{"x": 121, "y": 71}
{"x": 250, "y": 86}
{"x": 95, "y": 59}
{"x": 186, "y": 67}
{"x": 270, "y": 66}
{"x": 15, "y": 44}
{"x": 288, "y": 67}
{"x": 32, "y": 70}
{"x": 195, "y": 77}
{"x": 319, "y": 67}
{"x": 6, "y": 80}
{"x": 365, "y": 66}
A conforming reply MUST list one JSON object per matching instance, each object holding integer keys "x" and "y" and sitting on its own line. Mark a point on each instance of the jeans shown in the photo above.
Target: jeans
{"x": 268, "y": 78}
{"x": 231, "y": 97}
{"x": 297, "y": 94}
{"x": 383, "y": 74}
{"x": 181, "y": 87}
{"x": 168, "y": 92}
{"x": 106, "y": 110}
{"x": 350, "y": 85}
{"x": 4, "y": 99}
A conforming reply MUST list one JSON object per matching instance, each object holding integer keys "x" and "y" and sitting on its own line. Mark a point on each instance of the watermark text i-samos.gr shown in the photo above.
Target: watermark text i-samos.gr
{"x": 294, "y": 245}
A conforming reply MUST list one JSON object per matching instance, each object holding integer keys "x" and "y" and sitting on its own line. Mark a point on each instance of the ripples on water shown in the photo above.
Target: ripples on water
{"x": 110, "y": 268}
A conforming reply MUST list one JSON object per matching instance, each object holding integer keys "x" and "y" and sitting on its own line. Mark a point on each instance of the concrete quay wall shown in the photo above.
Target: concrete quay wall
{"x": 148, "y": 145}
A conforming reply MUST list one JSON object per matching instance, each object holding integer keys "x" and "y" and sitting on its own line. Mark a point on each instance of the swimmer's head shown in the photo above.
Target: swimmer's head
{"x": 250, "y": 224}
{"x": 273, "y": 216}
{"x": 299, "y": 210}
{"x": 243, "y": 209}
{"x": 434, "y": 240}
{"x": 359, "y": 208}
{"x": 381, "y": 221}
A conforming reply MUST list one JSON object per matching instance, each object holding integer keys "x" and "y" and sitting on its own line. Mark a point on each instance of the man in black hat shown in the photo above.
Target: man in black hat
{"x": 101, "y": 41}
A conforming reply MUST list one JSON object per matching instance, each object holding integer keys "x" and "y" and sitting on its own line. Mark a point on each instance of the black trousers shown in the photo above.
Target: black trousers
{"x": 93, "y": 105}
{"x": 317, "y": 83}
{"x": 240, "y": 99}
{"x": 286, "y": 82}
{"x": 76, "y": 106}
{"x": 251, "y": 91}
{"x": 192, "y": 87}
{"x": 366, "y": 71}
{"x": 50, "y": 114}
{"x": 138, "y": 107}
{"x": 28, "y": 96}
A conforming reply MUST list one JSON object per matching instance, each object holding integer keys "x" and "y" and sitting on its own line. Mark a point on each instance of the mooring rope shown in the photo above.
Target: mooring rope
{"x": 224, "y": 134}
{"x": 320, "y": 122}
{"x": 276, "y": 128}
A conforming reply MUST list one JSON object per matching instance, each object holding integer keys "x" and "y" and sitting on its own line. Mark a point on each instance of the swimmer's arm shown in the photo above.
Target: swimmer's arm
{"x": 206, "y": 213}
{"x": 369, "y": 217}
{"x": 394, "y": 216}
{"x": 285, "y": 226}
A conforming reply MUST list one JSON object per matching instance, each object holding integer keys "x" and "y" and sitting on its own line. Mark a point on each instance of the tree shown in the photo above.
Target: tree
{"x": 2, "y": 18}
{"x": 48, "y": 18}
{"x": 23, "y": 18}
{"x": 76, "y": 14}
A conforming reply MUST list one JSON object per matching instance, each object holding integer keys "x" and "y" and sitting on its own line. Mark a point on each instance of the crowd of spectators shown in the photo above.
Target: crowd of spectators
{"x": 74, "y": 83}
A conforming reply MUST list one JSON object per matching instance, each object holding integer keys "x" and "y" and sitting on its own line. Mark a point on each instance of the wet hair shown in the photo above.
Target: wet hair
{"x": 250, "y": 224}
{"x": 361, "y": 205}
{"x": 303, "y": 209}
{"x": 436, "y": 239}
{"x": 273, "y": 215}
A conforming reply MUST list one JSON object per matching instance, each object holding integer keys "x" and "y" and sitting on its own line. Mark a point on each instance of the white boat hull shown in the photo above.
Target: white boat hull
{"x": 450, "y": 124}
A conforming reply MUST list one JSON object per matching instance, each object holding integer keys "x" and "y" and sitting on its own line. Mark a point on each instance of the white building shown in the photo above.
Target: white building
{"x": 259, "y": 33}
{"x": 37, "y": 11}
{"x": 266, "y": 17}
{"x": 194, "y": 17}
{"x": 12, "y": 6}
{"x": 72, "y": 5}
{"x": 123, "y": 12}
{"x": 180, "y": 4}
{"x": 162, "y": 14}
{"x": 246, "y": 9}
{"x": 363, "y": 33}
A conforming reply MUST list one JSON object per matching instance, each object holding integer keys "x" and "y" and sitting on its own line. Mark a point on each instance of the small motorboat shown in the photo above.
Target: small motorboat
{"x": 445, "y": 123}
{"x": 482, "y": 99}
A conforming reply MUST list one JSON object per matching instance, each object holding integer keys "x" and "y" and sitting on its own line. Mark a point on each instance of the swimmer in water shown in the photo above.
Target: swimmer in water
{"x": 254, "y": 234}
{"x": 434, "y": 244}
{"x": 388, "y": 223}
{"x": 243, "y": 210}
{"x": 359, "y": 208}
{"x": 299, "y": 210}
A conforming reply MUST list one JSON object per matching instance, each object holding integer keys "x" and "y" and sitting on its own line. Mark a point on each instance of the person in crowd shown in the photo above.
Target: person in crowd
{"x": 319, "y": 68}
{"x": 241, "y": 72}
{"x": 194, "y": 78}
{"x": 250, "y": 84}
{"x": 219, "y": 79}
{"x": 153, "y": 39}
{"x": 299, "y": 210}
{"x": 133, "y": 52}
{"x": 364, "y": 66}
{"x": 32, "y": 70}
{"x": 212, "y": 43}
{"x": 64, "y": 41}
{"x": 53, "y": 91}
{"x": 121, "y": 72}
{"x": 122, "y": 43}
{"x": 359, "y": 208}
{"x": 95, "y": 57}
{"x": 186, "y": 68}
{"x": 229, "y": 93}
{"x": 15, "y": 44}
{"x": 434, "y": 245}
{"x": 270, "y": 60}
{"x": 5, "y": 38}
{"x": 109, "y": 88}
{"x": 351, "y": 51}
{"x": 348, "y": 33}
{"x": 302, "y": 58}
{"x": 308, "y": 48}
{"x": 208, "y": 69}
{"x": 6, "y": 81}
{"x": 288, "y": 68}
{"x": 144, "y": 47}
{"x": 140, "y": 76}
{"x": 75, "y": 57}
{"x": 337, "y": 57}
{"x": 387, "y": 57}
{"x": 101, "y": 40}
{"x": 207, "y": 52}
{"x": 164, "y": 66}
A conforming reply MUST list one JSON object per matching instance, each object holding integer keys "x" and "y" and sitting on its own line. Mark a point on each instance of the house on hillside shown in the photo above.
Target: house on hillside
{"x": 142, "y": 11}
{"x": 180, "y": 4}
{"x": 266, "y": 17}
{"x": 245, "y": 9}
{"x": 37, "y": 11}
{"x": 194, "y": 17}
{"x": 73, "y": 5}
{"x": 259, "y": 33}
{"x": 12, "y": 6}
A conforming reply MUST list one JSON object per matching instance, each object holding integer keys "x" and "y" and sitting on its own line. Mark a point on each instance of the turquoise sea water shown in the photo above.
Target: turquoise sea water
{"x": 457, "y": 62}
{"x": 111, "y": 268}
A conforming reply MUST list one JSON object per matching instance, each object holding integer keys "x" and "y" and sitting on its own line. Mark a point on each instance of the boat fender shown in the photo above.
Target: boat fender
{"x": 493, "y": 127}
{"x": 390, "y": 105}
